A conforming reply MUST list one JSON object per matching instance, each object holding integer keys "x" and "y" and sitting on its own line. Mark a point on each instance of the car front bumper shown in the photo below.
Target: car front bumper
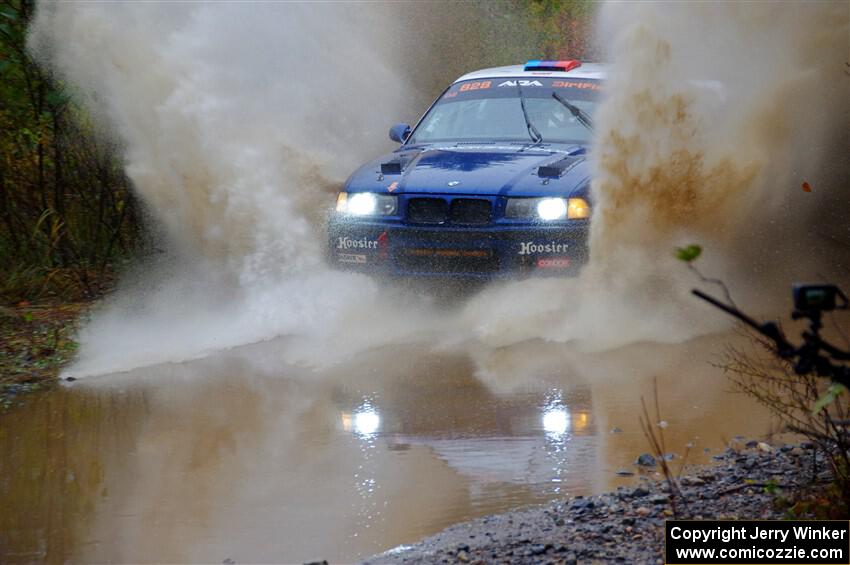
{"x": 398, "y": 249}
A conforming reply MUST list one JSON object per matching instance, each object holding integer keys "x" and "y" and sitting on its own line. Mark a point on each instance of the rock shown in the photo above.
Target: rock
{"x": 462, "y": 556}
{"x": 747, "y": 462}
{"x": 616, "y": 430}
{"x": 659, "y": 499}
{"x": 786, "y": 448}
{"x": 628, "y": 521}
{"x": 645, "y": 460}
{"x": 643, "y": 511}
{"x": 624, "y": 473}
{"x": 462, "y": 547}
{"x": 751, "y": 444}
{"x": 765, "y": 447}
{"x": 538, "y": 549}
{"x": 639, "y": 492}
{"x": 582, "y": 503}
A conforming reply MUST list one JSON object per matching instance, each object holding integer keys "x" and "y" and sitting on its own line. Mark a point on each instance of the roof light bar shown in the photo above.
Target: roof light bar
{"x": 563, "y": 66}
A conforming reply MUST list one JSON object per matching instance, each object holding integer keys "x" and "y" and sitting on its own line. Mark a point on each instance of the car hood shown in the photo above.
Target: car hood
{"x": 476, "y": 170}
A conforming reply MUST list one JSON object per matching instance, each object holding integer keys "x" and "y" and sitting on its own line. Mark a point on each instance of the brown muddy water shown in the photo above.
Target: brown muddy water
{"x": 238, "y": 457}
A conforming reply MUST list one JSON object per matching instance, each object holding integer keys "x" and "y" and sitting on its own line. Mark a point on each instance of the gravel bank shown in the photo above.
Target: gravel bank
{"x": 36, "y": 341}
{"x": 626, "y": 525}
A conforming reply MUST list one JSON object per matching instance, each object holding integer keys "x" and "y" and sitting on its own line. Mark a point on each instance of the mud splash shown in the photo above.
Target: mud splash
{"x": 702, "y": 141}
{"x": 712, "y": 141}
{"x": 238, "y": 123}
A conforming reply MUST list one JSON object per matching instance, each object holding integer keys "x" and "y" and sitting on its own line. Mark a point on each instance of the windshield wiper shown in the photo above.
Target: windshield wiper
{"x": 533, "y": 132}
{"x": 583, "y": 118}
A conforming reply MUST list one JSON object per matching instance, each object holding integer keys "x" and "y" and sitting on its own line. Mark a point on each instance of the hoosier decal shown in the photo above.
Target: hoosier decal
{"x": 362, "y": 243}
{"x": 531, "y": 247}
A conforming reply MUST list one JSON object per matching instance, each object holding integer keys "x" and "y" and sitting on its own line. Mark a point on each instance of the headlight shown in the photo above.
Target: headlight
{"x": 578, "y": 208}
{"x": 366, "y": 204}
{"x": 547, "y": 209}
{"x": 552, "y": 209}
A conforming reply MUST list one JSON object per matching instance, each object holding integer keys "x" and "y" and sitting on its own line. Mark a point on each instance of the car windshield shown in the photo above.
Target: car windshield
{"x": 490, "y": 110}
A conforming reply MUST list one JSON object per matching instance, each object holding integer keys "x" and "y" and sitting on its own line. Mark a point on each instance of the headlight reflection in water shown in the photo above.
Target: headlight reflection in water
{"x": 556, "y": 421}
{"x": 556, "y": 417}
{"x": 367, "y": 422}
{"x": 364, "y": 423}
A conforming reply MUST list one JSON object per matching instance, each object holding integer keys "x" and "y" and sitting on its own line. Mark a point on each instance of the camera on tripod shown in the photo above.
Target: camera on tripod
{"x": 815, "y": 354}
{"x": 818, "y": 298}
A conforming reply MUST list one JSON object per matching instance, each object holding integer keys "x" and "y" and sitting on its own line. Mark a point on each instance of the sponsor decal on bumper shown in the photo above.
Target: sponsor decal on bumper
{"x": 349, "y": 258}
{"x": 351, "y": 243}
{"x": 553, "y": 263}
{"x": 427, "y": 252}
{"x": 532, "y": 247}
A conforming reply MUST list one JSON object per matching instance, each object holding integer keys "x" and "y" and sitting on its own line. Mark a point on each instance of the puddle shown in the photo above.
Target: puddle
{"x": 237, "y": 457}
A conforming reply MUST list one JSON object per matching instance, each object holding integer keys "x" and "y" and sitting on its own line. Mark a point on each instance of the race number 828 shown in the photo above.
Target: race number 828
{"x": 480, "y": 85}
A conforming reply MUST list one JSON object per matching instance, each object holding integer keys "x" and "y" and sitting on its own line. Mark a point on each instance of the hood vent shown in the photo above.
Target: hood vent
{"x": 393, "y": 167}
{"x": 559, "y": 167}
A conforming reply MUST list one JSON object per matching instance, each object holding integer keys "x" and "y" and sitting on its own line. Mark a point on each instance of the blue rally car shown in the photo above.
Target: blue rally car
{"x": 491, "y": 182}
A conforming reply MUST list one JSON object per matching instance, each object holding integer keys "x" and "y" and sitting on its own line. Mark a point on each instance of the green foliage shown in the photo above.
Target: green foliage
{"x": 828, "y": 397}
{"x": 564, "y": 27}
{"x": 799, "y": 402}
{"x": 772, "y": 487}
{"x": 66, "y": 211}
{"x": 487, "y": 33}
{"x": 688, "y": 254}
{"x": 825, "y": 503}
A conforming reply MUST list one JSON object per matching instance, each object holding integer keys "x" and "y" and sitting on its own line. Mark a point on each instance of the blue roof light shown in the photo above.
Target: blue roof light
{"x": 562, "y": 66}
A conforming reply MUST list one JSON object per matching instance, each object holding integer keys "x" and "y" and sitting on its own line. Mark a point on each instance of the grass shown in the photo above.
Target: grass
{"x": 36, "y": 341}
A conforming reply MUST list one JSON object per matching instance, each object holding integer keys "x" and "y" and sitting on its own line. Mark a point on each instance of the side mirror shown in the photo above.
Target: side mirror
{"x": 400, "y": 132}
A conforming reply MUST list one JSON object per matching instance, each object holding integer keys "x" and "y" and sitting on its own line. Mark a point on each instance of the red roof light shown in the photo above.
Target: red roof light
{"x": 562, "y": 66}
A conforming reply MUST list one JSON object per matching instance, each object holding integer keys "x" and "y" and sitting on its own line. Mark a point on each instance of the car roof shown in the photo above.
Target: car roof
{"x": 586, "y": 70}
